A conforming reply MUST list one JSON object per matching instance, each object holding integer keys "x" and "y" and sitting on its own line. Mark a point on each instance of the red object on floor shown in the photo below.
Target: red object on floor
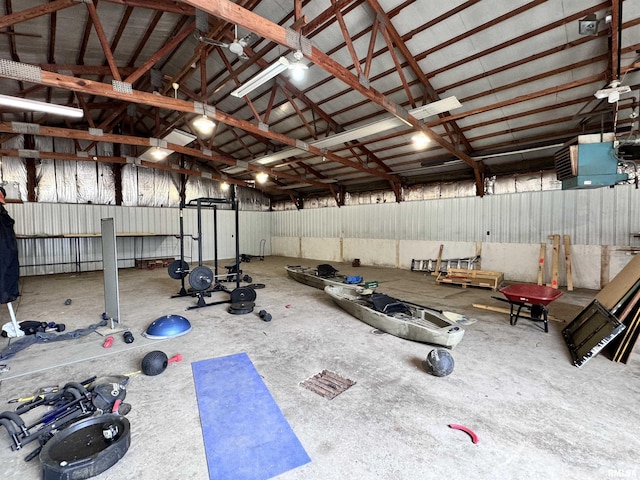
{"x": 467, "y": 430}
{"x": 108, "y": 342}
{"x": 534, "y": 298}
{"x": 533, "y": 294}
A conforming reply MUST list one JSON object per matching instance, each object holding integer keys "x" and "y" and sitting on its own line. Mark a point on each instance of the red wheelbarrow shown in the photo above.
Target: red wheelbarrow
{"x": 533, "y": 298}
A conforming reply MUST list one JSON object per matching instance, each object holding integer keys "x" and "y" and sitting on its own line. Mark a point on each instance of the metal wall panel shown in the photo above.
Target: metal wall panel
{"x": 601, "y": 216}
{"x": 42, "y": 253}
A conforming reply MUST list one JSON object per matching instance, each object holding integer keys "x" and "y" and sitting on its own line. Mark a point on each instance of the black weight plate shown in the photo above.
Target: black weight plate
{"x": 256, "y": 286}
{"x": 241, "y": 308}
{"x": 243, "y": 294}
{"x": 201, "y": 278}
{"x": 86, "y": 448}
{"x": 178, "y": 270}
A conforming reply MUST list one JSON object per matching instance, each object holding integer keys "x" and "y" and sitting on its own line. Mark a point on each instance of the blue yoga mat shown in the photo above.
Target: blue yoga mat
{"x": 246, "y": 437}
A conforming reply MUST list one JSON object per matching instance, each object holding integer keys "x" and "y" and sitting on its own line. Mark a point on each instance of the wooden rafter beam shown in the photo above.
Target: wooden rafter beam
{"x": 396, "y": 62}
{"x": 102, "y": 38}
{"x": 166, "y": 48}
{"x": 522, "y": 98}
{"x": 168, "y": 6}
{"x": 35, "y": 12}
{"x": 147, "y": 143}
{"x": 347, "y": 40}
{"x": 235, "y": 14}
{"x": 614, "y": 40}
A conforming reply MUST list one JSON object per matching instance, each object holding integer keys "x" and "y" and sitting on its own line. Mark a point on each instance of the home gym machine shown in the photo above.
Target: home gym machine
{"x": 202, "y": 279}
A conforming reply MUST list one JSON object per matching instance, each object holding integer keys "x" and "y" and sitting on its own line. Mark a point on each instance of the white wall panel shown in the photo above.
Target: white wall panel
{"x": 328, "y": 249}
{"x": 377, "y": 252}
{"x": 286, "y": 246}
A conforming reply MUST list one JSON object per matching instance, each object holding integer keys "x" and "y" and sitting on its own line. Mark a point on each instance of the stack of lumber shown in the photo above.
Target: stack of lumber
{"x": 622, "y": 298}
{"x": 473, "y": 278}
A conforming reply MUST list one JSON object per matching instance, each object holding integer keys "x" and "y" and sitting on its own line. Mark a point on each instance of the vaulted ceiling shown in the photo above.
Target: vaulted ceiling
{"x": 380, "y": 71}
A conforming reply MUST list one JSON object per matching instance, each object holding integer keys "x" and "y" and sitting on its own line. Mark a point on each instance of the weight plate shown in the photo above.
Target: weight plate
{"x": 200, "y": 278}
{"x": 178, "y": 270}
{"x": 256, "y": 286}
{"x": 86, "y": 448}
{"x": 243, "y": 294}
{"x": 241, "y": 308}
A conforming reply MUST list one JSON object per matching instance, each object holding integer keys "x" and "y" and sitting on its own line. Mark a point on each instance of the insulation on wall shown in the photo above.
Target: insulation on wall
{"x": 13, "y": 171}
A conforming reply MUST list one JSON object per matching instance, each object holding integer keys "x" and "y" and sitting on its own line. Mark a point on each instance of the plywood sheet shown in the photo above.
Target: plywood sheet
{"x": 613, "y": 292}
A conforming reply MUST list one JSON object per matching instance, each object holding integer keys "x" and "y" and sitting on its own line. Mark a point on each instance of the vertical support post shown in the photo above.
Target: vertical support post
{"x": 555, "y": 260}
{"x": 16, "y": 327}
{"x": 234, "y": 203}
{"x": 215, "y": 243}
{"x": 438, "y": 262}
{"x": 567, "y": 259}
{"x": 110, "y": 271}
{"x": 199, "y": 205}
{"x": 543, "y": 253}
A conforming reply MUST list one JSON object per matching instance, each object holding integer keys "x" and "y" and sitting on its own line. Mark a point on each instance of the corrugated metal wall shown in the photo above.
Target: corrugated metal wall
{"x": 47, "y": 243}
{"x": 603, "y": 216}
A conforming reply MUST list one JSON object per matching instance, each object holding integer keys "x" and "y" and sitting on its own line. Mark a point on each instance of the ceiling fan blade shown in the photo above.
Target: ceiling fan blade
{"x": 605, "y": 92}
{"x": 210, "y": 41}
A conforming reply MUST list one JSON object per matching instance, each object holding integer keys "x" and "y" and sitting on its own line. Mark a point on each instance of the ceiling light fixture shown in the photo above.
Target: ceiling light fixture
{"x": 420, "y": 140}
{"x": 224, "y": 186}
{"x": 34, "y": 105}
{"x": 204, "y": 125}
{"x": 261, "y": 78}
{"x": 297, "y": 68}
{"x": 159, "y": 153}
{"x": 261, "y": 177}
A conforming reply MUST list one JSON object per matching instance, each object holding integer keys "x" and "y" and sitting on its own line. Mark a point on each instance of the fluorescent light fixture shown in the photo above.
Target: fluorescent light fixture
{"x": 204, "y": 125}
{"x": 261, "y": 78}
{"x": 262, "y": 177}
{"x": 34, "y": 105}
{"x": 420, "y": 113}
{"x": 369, "y": 129}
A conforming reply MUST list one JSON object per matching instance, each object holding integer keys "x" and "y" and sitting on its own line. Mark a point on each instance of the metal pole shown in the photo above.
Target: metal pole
{"x": 18, "y": 331}
{"x": 215, "y": 242}
{"x": 199, "y": 234}
{"x": 234, "y": 203}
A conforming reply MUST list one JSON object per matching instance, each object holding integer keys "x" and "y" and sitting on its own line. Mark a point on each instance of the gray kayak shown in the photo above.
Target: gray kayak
{"x": 398, "y": 318}
{"x": 309, "y": 276}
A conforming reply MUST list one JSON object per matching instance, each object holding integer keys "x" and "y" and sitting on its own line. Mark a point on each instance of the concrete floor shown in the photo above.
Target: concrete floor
{"x": 536, "y": 415}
